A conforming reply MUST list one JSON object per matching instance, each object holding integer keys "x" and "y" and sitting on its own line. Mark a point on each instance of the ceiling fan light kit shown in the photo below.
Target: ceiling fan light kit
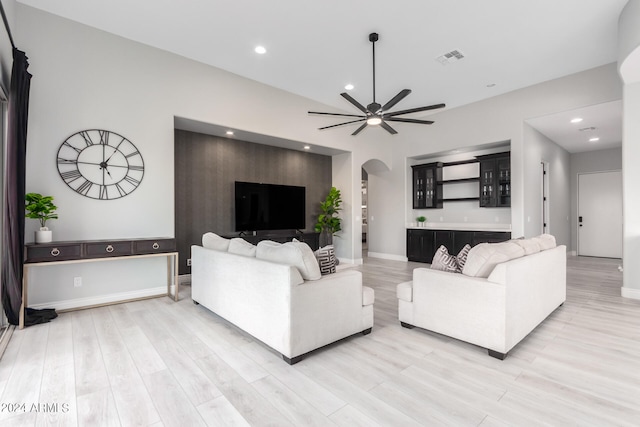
{"x": 375, "y": 114}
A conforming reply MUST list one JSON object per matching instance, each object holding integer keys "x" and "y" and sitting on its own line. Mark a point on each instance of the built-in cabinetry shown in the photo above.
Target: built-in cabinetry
{"x": 495, "y": 180}
{"x": 422, "y": 244}
{"x": 427, "y": 186}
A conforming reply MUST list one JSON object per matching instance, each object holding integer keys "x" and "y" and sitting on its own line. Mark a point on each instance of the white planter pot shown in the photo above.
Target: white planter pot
{"x": 44, "y": 235}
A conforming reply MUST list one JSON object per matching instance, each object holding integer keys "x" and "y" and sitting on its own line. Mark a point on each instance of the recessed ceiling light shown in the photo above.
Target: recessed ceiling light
{"x": 596, "y": 139}
{"x": 229, "y": 132}
{"x": 576, "y": 120}
{"x": 261, "y": 50}
{"x": 306, "y": 147}
{"x": 349, "y": 87}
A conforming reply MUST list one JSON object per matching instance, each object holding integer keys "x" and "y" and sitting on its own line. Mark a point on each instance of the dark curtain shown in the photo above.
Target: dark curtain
{"x": 14, "y": 187}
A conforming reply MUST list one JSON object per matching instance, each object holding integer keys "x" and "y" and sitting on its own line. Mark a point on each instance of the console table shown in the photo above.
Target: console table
{"x": 41, "y": 254}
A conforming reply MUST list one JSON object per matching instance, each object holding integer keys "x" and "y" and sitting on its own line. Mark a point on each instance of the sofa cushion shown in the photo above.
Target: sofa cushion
{"x": 530, "y": 246}
{"x": 240, "y": 246}
{"x": 444, "y": 261}
{"x": 368, "y": 296}
{"x": 297, "y": 254}
{"x": 484, "y": 257}
{"x": 545, "y": 241}
{"x": 326, "y": 257}
{"x": 213, "y": 241}
{"x": 404, "y": 291}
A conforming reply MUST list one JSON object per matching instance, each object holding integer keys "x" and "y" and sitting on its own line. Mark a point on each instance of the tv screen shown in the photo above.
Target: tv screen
{"x": 269, "y": 207}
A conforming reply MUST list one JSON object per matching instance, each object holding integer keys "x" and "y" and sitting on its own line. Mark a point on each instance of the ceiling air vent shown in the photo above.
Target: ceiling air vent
{"x": 449, "y": 57}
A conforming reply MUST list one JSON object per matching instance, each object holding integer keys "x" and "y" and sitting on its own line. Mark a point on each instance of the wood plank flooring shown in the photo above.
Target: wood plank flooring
{"x": 161, "y": 363}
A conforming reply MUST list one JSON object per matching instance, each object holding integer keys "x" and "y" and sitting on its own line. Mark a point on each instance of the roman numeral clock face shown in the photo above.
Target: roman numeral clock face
{"x": 100, "y": 164}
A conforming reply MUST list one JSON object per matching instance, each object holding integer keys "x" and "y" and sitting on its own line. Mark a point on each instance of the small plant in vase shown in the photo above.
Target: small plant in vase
{"x": 328, "y": 222}
{"x": 41, "y": 208}
{"x": 421, "y": 220}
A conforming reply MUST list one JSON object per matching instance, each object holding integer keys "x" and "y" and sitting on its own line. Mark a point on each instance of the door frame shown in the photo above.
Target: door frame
{"x": 577, "y": 230}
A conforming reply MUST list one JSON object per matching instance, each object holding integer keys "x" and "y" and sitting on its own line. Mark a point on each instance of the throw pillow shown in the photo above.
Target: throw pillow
{"x": 240, "y": 246}
{"x": 213, "y": 241}
{"x": 462, "y": 257}
{"x": 484, "y": 257}
{"x": 545, "y": 241}
{"x": 443, "y": 261}
{"x": 530, "y": 246}
{"x": 326, "y": 257}
{"x": 297, "y": 254}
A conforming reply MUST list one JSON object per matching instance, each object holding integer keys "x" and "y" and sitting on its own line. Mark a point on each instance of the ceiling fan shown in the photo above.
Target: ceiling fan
{"x": 376, "y": 114}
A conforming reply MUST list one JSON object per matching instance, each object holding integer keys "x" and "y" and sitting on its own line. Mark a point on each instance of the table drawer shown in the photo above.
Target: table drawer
{"x": 153, "y": 246}
{"x": 52, "y": 252}
{"x": 107, "y": 249}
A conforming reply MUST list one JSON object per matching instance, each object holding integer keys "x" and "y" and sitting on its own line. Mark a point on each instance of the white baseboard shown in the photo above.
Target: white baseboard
{"x": 388, "y": 256}
{"x": 630, "y": 293}
{"x": 184, "y": 279}
{"x": 103, "y": 299}
{"x": 356, "y": 261}
{"x": 572, "y": 253}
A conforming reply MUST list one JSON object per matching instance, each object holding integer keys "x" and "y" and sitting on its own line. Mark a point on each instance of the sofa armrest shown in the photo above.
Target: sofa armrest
{"x": 328, "y": 309}
{"x": 463, "y": 307}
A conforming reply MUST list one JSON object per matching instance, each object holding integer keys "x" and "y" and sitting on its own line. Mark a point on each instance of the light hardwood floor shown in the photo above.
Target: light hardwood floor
{"x": 157, "y": 362}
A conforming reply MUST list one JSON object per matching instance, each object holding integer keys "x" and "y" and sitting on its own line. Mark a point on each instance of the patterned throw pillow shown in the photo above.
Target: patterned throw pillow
{"x": 444, "y": 261}
{"x": 462, "y": 257}
{"x": 326, "y": 259}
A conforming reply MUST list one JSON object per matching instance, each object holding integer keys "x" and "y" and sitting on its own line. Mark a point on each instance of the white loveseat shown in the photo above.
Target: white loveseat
{"x": 272, "y": 302}
{"x": 496, "y": 311}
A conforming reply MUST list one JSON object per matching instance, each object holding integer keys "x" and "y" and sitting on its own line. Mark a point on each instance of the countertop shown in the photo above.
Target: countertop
{"x": 462, "y": 226}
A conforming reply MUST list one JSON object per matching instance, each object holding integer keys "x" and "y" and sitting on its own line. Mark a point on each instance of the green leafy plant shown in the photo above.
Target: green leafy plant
{"x": 328, "y": 220}
{"x": 40, "y": 207}
{"x": 421, "y": 218}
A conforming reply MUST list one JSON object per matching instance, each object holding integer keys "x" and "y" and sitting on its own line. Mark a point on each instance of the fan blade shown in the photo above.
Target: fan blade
{"x": 415, "y": 110}
{"x": 335, "y": 114}
{"x": 364, "y": 125}
{"x": 388, "y": 128}
{"x": 398, "y": 119}
{"x": 340, "y": 124}
{"x": 393, "y": 101}
{"x": 359, "y": 106}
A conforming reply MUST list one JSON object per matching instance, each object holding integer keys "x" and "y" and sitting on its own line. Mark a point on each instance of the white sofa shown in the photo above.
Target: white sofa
{"x": 272, "y": 302}
{"x": 494, "y": 312}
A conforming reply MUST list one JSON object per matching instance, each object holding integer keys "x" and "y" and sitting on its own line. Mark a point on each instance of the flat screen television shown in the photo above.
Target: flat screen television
{"x": 269, "y": 207}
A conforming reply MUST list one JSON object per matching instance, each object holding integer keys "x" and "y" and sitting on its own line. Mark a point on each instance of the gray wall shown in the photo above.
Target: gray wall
{"x": 590, "y": 161}
{"x": 206, "y": 168}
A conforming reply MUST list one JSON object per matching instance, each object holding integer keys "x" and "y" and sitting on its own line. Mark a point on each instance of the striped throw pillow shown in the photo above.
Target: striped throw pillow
{"x": 462, "y": 257}
{"x": 443, "y": 261}
{"x": 326, "y": 259}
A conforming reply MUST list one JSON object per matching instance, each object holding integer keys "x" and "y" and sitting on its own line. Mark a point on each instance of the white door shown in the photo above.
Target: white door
{"x": 600, "y": 214}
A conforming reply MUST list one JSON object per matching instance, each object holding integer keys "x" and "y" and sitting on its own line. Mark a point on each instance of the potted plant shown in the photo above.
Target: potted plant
{"x": 421, "y": 220}
{"x": 41, "y": 208}
{"x": 328, "y": 222}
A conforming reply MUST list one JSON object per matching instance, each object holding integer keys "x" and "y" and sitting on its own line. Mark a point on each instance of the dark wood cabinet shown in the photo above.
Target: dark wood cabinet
{"x": 495, "y": 180}
{"x": 91, "y": 249}
{"x": 427, "y": 186}
{"x": 422, "y": 244}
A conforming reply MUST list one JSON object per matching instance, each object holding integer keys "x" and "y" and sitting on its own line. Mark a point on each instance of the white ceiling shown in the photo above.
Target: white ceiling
{"x": 314, "y": 48}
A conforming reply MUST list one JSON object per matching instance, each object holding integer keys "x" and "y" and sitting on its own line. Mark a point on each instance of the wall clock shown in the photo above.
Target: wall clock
{"x": 100, "y": 164}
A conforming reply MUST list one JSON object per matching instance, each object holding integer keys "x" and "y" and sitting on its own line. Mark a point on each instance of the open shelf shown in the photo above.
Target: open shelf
{"x": 462, "y": 199}
{"x": 457, "y": 181}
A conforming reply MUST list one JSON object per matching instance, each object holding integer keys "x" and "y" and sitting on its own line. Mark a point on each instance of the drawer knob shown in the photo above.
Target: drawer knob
{"x": 155, "y": 245}
{"x": 55, "y": 252}
{"x": 109, "y": 248}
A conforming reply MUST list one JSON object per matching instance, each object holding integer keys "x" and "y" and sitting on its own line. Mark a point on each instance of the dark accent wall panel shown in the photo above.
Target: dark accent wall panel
{"x": 206, "y": 168}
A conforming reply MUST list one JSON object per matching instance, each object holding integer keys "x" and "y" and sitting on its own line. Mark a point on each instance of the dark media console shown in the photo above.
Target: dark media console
{"x": 311, "y": 239}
